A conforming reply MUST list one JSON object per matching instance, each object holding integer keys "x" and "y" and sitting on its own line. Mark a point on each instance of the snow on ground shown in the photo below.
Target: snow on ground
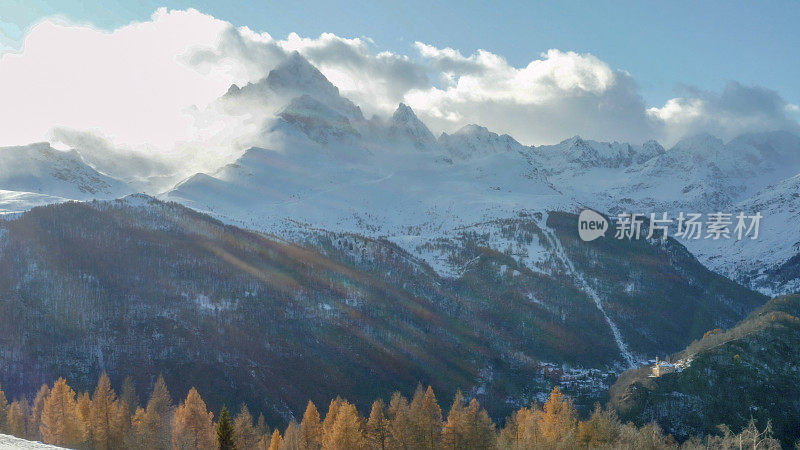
{"x": 11, "y": 443}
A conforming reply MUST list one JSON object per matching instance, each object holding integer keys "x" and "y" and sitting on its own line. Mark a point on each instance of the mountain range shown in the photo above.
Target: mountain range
{"x": 340, "y": 252}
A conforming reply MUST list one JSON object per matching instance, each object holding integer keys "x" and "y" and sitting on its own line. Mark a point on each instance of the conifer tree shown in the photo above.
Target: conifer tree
{"x": 601, "y": 430}
{"x": 275, "y": 441}
{"x": 128, "y": 395}
{"x": 291, "y": 438}
{"x": 261, "y": 425}
{"x": 400, "y": 423}
{"x": 378, "y": 426}
{"x": 144, "y": 432}
{"x": 479, "y": 426}
{"x": 311, "y": 428}
{"x": 246, "y": 435}
{"x": 3, "y": 409}
{"x": 61, "y": 425}
{"x": 348, "y": 430}
{"x": 225, "y": 434}
{"x": 192, "y": 424}
{"x": 559, "y": 419}
{"x": 160, "y": 406}
{"x": 84, "y": 413}
{"x": 330, "y": 419}
{"x": 15, "y": 423}
{"x": 454, "y": 433}
{"x": 427, "y": 418}
{"x": 108, "y": 417}
{"x": 34, "y": 426}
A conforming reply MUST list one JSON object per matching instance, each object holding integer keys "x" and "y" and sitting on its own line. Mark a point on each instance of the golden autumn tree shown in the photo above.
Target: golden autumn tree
{"x": 193, "y": 425}
{"x": 84, "y": 403}
{"x": 108, "y": 417}
{"x": 15, "y": 423}
{"x": 348, "y": 430}
{"x": 468, "y": 426}
{"x": 378, "y": 426}
{"x": 61, "y": 424}
{"x": 245, "y": 434}
{"x": 330, "y": 419}
{"x": 311, "y": 428}
{"x": 521, "y": 429}
{"x": 160, "y": 406}
{"x": 275, "y": 441}
{"x": 401, "y": 427}
{"x": 35, "y": 419}
{"x": 291, "y": 438}
{"x": 144, "y": 431}
{"x": 601, "y": 430}
{"x": 3, "y": 408}
{"x": 426, "y": 416}
{"x": 559, "y": 420}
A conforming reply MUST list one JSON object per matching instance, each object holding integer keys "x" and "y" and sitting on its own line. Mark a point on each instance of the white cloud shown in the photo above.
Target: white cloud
{"x": 146, "y": 86}
{"x": 737, "y": 109}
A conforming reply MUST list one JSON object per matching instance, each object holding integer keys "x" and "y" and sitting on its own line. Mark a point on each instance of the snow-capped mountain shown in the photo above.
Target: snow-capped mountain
{"x": 321, "y": 165}
{"x": 39, "y": 174}
{"x": 475, "y": 141}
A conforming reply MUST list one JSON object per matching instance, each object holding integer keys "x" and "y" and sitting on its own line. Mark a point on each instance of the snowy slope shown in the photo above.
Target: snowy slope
{"x": 14, "y": 443}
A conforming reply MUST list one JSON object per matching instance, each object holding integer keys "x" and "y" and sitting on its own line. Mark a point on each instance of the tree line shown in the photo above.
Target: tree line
{"x": 104, "y": 420}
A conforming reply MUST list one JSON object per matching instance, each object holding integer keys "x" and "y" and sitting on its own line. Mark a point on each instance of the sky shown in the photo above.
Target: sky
{"x": 541, "y": 71}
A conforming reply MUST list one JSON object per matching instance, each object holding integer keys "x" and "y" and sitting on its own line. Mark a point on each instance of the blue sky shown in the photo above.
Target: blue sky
{"x": 134, "y": 71}
{"x": 664, "y": 45}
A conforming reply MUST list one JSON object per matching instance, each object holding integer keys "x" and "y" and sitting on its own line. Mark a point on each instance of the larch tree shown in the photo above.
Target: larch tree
{"x": 311, "y": 428}
{"x": 275, "y": 441}
{"x": 454, "y": 434}
{"x": 261, "y": 425}
{"x": 330, "y": 419}
{"x": 60, "y": 422}
{"x": 480, "y": 431}
{"x": 160, "y": 406}
{"x": 601, "y": 430}
{"x": 193, "y": 425}
{"x": 348, "y": 430}
{"x": 426, "y": 416}
{"x": 246, "y": 435}
{"x": 35, "y": 424}
{"x": 15, "y": 423}
{"x": 144, "y": 432}
{"x": 84, "y": 403}
{"x": 109, "y": 420}
{"x": 225, "y": 433}
{"x": 3, "y": 409}
{"x": 128, "y": 395}
{"x": 401, "y": 426}
{"x": 378, "y": 426}
{"x": 558, "y": 422}
{"x": 291, "y": 438}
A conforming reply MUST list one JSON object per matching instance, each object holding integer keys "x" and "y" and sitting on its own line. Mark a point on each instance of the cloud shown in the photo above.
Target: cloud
{"x": 737, "y": 109}
{"x": 150, "y": 87}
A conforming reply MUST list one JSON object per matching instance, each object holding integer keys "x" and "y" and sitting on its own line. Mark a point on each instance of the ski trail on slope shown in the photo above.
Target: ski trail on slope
{"x": 630, "y": 360}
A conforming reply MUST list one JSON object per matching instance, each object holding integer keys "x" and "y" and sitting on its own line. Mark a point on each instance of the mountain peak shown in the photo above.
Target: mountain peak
{"x": 406, "y": 124}
{"x": 296, "y": 74}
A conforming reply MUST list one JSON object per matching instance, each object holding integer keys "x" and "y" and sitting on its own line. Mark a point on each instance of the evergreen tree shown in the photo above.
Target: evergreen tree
{"x": 225, "y": 433}
{"x": 192, "y": 424}
{"x": 61, "y": 425}
{"x": 348, "y": 430}
{"x": 311, "y": 428}
{"x": 378, "y": 426}
{"x": 246, "y": 435}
